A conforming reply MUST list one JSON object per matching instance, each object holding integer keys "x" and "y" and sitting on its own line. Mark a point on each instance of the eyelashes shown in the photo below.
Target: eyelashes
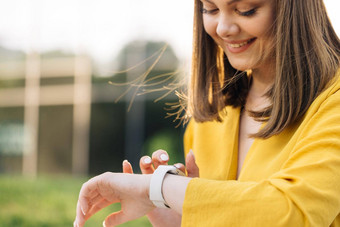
{"x": 205, "y": 11}
{"x": 245, "y": 14}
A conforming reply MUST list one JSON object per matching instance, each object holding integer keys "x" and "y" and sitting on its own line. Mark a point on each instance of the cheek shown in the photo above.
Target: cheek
{"x": 209, "y": 27}
{"x": 257, "y": 28}
{"x": 266, "y": 24}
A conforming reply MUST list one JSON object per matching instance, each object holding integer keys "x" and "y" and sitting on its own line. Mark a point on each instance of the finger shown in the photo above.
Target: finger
{"x": 115, "y": 219}
{"x": 80, "y": 217}
{"x": 180, "y": 166}
{"x": 95, "y": 200}
{"x": 160, "y": 157}
{"x": 86, "y": 192}
{"x": 83, "y": 206}
{"x": 93, "y": 193}
{"x": 102, "y": 204}
{"x": 145, "y": 164}
{"x": 96, "y": 204}
{"x": 127, "y": 168}
{"x": 190, "y": 162}
{"x": 92, "y": 199}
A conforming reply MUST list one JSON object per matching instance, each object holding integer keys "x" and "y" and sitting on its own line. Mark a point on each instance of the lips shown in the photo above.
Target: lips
{"x": 239, "y": 46}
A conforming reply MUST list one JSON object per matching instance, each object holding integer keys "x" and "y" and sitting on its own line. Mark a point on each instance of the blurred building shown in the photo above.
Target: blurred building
{"x": 57, "y": 116}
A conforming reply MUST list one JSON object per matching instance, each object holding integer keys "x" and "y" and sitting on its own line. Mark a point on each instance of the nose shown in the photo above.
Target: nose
{"x": 226, "y": 27}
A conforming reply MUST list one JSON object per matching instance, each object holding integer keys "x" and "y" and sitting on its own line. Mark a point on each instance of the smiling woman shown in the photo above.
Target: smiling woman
{"x": 240, "y": 25}
{"x": 263, "y": 142}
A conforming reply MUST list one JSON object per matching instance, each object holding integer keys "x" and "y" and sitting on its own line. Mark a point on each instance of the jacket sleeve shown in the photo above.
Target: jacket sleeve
{"x": 305, "y": 192}
{"x": 188, "y": 140}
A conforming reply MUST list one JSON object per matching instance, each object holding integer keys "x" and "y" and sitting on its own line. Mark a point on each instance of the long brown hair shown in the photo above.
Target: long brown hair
{"x": 307, "y": 53}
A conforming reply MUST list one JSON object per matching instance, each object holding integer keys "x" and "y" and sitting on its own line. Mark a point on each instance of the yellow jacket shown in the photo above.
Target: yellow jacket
{"x": 292, "y": 179}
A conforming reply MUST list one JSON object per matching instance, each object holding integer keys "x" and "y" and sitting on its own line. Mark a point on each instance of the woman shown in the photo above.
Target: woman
{"x": 265, "y": 133}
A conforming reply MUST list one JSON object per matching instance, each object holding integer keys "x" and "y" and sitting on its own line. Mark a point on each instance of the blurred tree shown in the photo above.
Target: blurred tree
{"x": 150, "y": 51}
{"x": 148, "y": 68}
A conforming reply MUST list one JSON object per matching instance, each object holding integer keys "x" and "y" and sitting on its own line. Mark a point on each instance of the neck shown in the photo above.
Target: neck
{"x": 262, "y": 80}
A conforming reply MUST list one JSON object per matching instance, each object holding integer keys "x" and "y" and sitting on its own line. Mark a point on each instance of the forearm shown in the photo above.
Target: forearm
{"x": 161, "y": 217}
{"x": 173, "y": 189}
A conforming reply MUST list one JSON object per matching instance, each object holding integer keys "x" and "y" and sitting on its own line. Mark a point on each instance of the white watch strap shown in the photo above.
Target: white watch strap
{"x": 155, "y": 191}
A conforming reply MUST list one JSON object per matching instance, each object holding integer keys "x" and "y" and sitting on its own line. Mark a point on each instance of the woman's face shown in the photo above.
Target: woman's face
{"x": 242, "y": 28}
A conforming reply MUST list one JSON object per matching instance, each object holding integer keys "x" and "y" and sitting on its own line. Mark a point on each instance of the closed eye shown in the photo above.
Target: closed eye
{"x": 206, "y": 11}
{"x": 246, "y": 13}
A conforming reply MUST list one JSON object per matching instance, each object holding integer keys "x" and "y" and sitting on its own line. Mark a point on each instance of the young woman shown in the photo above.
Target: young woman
{"x": 264, "y": 134}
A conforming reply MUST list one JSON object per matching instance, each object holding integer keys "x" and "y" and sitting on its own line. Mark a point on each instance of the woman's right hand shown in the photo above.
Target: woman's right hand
{"x": 161, "y": 157}
{"x": 163, "y": 217}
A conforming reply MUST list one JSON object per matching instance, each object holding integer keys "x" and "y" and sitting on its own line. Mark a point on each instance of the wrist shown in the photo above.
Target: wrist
{"x": 156, "y": 184}
{"x": 146, "y": 178}
{"x": 174, "y": 188}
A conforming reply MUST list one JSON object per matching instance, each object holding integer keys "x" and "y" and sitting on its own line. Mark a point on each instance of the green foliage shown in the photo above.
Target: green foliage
{"x": 47, "y": 202}
{"x": 166, "y": 140}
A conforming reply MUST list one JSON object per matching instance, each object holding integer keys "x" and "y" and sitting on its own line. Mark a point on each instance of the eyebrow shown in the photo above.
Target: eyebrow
{"x": 233, "y": 1}
{"x": 207, "y": 1}
{"x": 229, "y": 3}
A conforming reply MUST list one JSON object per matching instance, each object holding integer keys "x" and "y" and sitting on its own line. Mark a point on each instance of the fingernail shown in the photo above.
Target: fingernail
{"x": 192, "y": 153}
{"x": 82, "y": 211}
{"x": 125, "y": 161}
{"x": 164, "y": 157}
{"x": 177, "y": 166}
{"x": 104, "y": 225}
{"x": 147, "y": 160}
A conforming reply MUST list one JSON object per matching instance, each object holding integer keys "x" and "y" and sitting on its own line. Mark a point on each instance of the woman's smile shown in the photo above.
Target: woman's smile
{"x": 244, "y": 30}
{"x": 239, "y": 46}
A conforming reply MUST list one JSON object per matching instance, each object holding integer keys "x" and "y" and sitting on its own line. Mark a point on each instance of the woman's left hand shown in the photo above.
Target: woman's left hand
{"x": 158, "y": 217}
{"x": 131, "y": 190}
{"x": 161, "y": 217}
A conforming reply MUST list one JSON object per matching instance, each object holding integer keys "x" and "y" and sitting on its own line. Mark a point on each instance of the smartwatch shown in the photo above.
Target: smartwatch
{"x": 157, "y": 178}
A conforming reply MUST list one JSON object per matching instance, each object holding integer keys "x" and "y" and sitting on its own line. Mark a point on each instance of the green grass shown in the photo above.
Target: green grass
{"x": 47, "y": 202}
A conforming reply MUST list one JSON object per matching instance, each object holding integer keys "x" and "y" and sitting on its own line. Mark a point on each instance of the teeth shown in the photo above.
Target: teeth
{"x": 238, "y": 45}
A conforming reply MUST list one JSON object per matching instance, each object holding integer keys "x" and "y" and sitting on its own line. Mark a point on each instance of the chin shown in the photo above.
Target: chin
{"x": 241, "y": 67}
{"x": 241, "y": 64}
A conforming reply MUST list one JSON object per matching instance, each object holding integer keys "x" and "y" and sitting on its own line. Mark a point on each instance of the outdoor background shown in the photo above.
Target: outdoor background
{"x": 85, "y": 84}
